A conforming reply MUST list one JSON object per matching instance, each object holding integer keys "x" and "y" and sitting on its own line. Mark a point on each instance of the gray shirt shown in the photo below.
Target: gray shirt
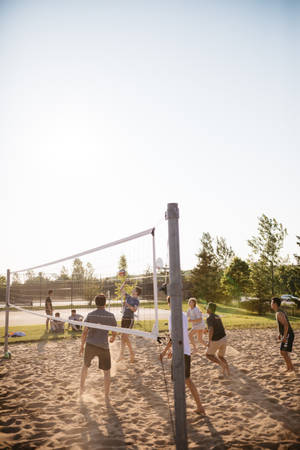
{"x": 96, "y": 336}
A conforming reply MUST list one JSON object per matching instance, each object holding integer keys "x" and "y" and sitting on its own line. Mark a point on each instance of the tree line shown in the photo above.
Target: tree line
{"x": 220, "y": 275}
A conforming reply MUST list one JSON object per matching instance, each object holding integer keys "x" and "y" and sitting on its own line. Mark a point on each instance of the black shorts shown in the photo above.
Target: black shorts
{"x": 187, "y": 367}
{"x": 288, "y": 345}
{"x": 127, "y": 322}
{"x": 103, "y": 356}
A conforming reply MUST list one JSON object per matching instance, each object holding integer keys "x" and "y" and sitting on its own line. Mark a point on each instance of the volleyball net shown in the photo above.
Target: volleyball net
{"x": 113, "y": 269}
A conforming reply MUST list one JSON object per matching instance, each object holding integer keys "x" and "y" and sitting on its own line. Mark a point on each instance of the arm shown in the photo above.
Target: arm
{"x": 167, "y": 347}
{"x": 210, "y": 334}
{"x": 83, "y": 339}
{"x": 113, "y": 337}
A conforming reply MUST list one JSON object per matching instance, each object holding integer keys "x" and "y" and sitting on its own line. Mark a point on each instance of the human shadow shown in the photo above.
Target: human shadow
{"x": 93, "y": 437}
{"x": 43, "y": 342}
{"x": 243, "y": 385}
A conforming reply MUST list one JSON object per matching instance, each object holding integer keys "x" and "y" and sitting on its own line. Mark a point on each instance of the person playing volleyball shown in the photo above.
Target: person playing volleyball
{"x": 130, "y": 306}
{"x": 94, "y": 342}
{"x": 286, "y": 333}
{"x": 187, "y": 360}
{"x": 217, "y": 340}
{"x": 194, "y": 316}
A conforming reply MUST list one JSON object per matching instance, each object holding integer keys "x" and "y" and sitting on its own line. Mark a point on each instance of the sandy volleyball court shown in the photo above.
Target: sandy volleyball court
{"x": 259, "y": 407}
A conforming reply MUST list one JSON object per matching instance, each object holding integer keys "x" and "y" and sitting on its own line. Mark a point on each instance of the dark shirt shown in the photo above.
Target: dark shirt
{"x": 48, "y": 305}
{"x": 215, "y": 322}
{"x": 281, "y": 326}
{"x": 132, "y": 301}
{"x": 97, "y": 336}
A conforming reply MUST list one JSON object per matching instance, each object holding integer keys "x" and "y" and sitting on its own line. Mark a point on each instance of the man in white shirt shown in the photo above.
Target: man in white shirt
{"x": 187, "y": 360}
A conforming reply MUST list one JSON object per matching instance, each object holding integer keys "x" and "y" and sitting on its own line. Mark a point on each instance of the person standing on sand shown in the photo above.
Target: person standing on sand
{"x": 94, "y": 342}
{"x": 48, "y": 308}
{"x": 130, "y": 306}
{"x": 187, "y": 360}
{"x": 286, "y": 333}
{"x": 194, "y": 316}
{"x": 217, "y": 340}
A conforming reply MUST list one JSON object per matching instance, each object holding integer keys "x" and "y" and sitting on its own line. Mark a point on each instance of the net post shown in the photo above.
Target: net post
{"x": 175, "y": 292}
{"x": 155, "y": 292}
{"x": 7, "y": 297}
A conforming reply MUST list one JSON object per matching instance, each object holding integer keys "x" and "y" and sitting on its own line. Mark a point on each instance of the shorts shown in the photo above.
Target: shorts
{"x": 199, "y": 326}
{"x": 127, "y": 322}
{"x": 288, "y": 345}
{"x": 217, "y": 346}
{"x": 103, "y": 356}
{"x": 187, "y": 367}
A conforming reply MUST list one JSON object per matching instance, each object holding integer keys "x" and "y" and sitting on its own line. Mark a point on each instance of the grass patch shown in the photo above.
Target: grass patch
{"x": 36, "y": 333}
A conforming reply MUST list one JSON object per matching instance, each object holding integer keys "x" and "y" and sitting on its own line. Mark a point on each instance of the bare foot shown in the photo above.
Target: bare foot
{"x": 132, "y": 360}
{"x": 200, "y": 411}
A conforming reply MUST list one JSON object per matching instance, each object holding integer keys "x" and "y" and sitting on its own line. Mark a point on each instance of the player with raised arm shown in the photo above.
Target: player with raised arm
{"x": 286, "y": 333}
{"x": 94, "y": 342}
{"x": 131, "y": 305}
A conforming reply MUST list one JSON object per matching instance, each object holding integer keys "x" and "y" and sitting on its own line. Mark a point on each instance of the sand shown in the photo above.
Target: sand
{"x": 258, "y": 407}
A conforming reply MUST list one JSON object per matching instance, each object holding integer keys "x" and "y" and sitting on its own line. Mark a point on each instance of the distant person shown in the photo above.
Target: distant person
{"x": 131, "y": 305}
{"x": 194, "y": 316}
{"x": 187, "y": 360}
{"x": 56, "y": 325}
{"x": 94, "y": 342}
{"x": 75, "y": 316}
{"x": 217, "y": 340}
{"x": 286, "y": 333}
{"x": 48, "y": 308}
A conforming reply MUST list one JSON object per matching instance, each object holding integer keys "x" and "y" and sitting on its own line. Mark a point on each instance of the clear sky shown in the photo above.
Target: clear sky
{"x": 110, "y": 109}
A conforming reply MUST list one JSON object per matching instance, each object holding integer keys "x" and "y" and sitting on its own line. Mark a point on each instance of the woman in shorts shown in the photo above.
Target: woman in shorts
{"x": 198, "y": 326}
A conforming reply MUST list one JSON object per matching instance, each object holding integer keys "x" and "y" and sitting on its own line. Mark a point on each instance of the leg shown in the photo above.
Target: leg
{"x": 128, "y": 343}
{"x": 214, "y": 359}
{"x": 84, "y": 372}
{"x": 106, "y": 385}
{"x": 195, "y": 395}
{"x": 122, "y": 348}
{"x": 286, "y": 357}
{"x": 200, "y": 338}
{"x": 192, "y": 340}
{"x": 47, "y": 323}
{"x": 225, "y": 365}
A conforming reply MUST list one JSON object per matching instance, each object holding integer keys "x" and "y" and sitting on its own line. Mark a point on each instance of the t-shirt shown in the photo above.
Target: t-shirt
{"x": 76, "y": 317}
{"x": 132, "y": 301}
{"x": 215, "y": 322}
{"x": 194, "y": 314}
{"x": 48, "y": 304}
{"x": 96, "y": 336}
{"x": 57, "y": 326}
{"x": 186, "y": 340}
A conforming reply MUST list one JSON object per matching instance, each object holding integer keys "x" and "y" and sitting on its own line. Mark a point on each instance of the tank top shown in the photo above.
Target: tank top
{"x": 281, "y": 326}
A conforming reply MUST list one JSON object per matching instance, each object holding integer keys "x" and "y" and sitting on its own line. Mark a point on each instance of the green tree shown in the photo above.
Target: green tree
{"x": 288, "y": 276}
{"x": 64, "y": 274}
{"x": 236, "y": 278}
{"x": 2, "y": 281}
{"x": 78, "y": 270}
{"x": 267, "y": 245}
{"x": 260, "y": 280}
{"x": 123, "y": 263}
{"x": 224, "y": 253}
{"x": 204, "y": 277}
{"x": 297, "y": 257}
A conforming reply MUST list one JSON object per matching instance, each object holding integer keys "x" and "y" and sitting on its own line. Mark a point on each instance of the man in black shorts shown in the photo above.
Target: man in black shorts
{"x": 95, "y": 341}
{"x": 48, "y": 308}
{"x": 131, "y": 304}
{"x": 187, "y": 360}
{"x": 286, "y": 333}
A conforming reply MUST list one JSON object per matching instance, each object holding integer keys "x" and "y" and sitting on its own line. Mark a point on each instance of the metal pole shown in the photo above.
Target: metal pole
{"x": 155, "y": 292}
{"x": 175, "y": 292}
{"x": 7, "y": 311}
